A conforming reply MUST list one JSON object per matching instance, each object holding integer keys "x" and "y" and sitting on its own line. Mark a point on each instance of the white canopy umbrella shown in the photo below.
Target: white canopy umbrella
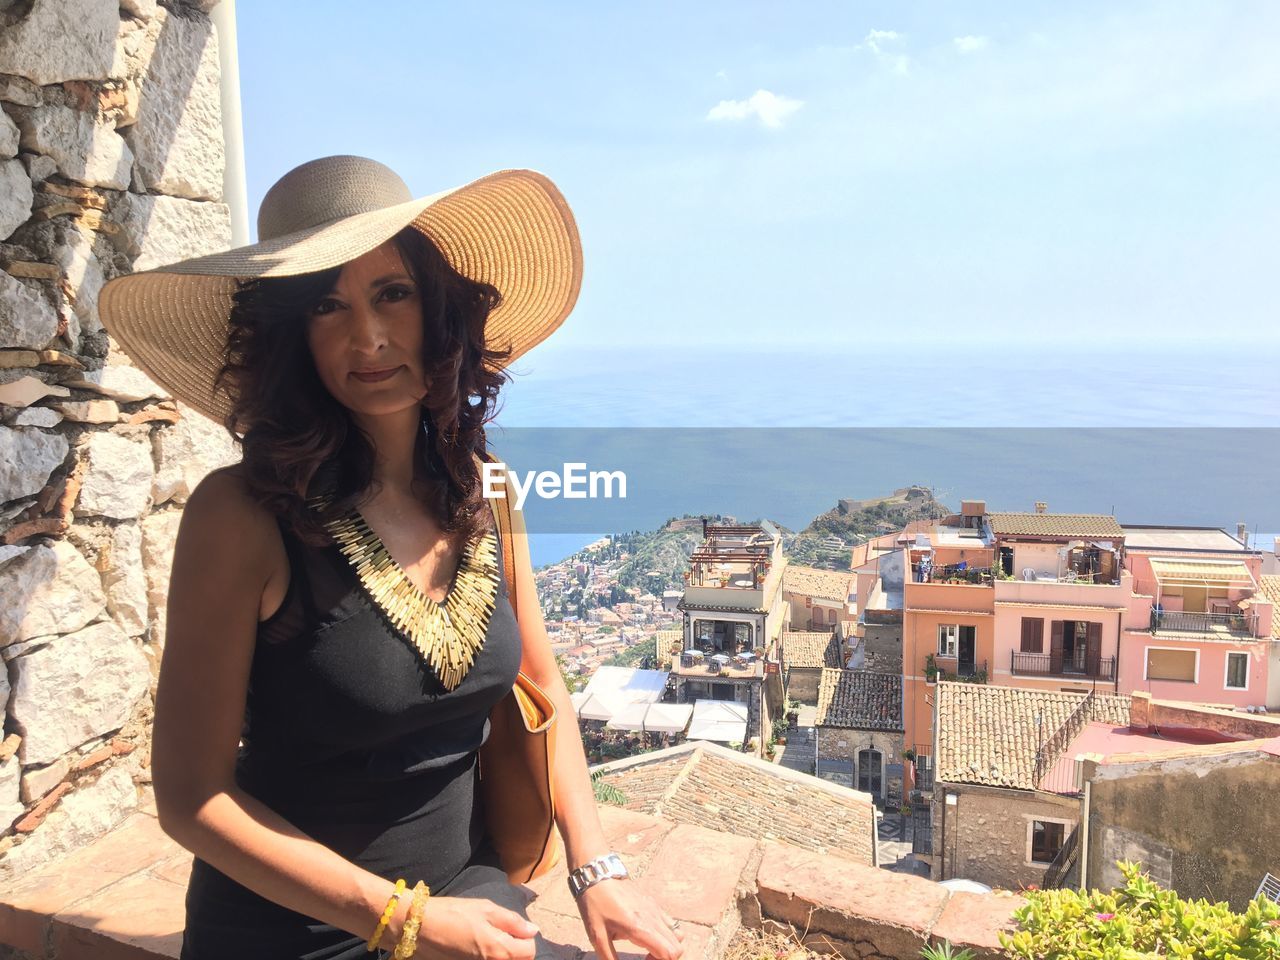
{"x": 667, "y": 717}
{"x": 719, "y": 720}
{"x": 629, "y": 717}
{"x": 610, "y": 689}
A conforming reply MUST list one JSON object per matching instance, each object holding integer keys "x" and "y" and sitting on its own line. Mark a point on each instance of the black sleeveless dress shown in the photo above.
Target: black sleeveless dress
{"x": 354, "y": 741}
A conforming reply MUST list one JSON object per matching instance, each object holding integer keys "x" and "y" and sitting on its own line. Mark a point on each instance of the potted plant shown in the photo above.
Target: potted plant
{"x": 930, "y": 669}
{"x": 909, "y": 755}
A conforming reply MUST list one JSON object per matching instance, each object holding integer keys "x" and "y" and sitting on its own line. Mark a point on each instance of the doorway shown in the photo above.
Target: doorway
{"x": 870, "y": 775}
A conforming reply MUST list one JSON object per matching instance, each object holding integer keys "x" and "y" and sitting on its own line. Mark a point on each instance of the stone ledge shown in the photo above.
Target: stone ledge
{"x": 122, "y": 897}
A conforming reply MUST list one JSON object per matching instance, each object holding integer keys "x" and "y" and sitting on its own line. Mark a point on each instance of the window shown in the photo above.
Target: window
{"x": 1166, "y": 664}
{"x": 1032, "y": 635}
{"x": 948, "y": 638}
{"x": 1046, "y": 840}
{"x": 1237, "y": 670}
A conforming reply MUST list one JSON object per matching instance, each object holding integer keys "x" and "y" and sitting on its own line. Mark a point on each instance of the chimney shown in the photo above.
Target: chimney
{"x": 1242, "y": 532}
{"x": 1041, "y": 506}
{"x": 704, "y": 528}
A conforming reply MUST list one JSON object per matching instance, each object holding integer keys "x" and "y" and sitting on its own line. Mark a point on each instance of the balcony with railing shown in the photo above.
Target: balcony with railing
{"x": 1229, "y": 623}
{"x": 955, "y": 668}
{"x": 690, "y": 664}
{"x": 1052, "y": 665}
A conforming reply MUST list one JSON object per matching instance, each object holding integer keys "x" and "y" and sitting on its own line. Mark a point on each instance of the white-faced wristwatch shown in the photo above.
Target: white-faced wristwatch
{"x": 608, "y": 867}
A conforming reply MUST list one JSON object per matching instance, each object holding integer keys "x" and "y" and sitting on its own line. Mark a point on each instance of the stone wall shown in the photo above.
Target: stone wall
{"x": 986, "y": 834}
{"x": 111, "y": 160}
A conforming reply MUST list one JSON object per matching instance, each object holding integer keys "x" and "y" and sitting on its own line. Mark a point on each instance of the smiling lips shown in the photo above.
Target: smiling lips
{"x": 374, "y": 376}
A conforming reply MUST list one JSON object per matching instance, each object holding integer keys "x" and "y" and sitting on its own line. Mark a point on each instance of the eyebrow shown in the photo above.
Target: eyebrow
{"x": 381, "y": 281}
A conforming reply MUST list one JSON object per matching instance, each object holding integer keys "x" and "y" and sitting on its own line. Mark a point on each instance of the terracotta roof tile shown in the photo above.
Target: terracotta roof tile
{"x": 803, "y": 648}
{"x": 710, "y": 786}
{"x": 813, "y": 582}
{"x": 860, "y": 700}
{"x": 988, "y": 734}
{"x": 1082, "y": 525}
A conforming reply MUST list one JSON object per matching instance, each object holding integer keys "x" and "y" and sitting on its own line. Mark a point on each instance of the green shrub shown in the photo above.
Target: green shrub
{"x": 1139, "y": 921}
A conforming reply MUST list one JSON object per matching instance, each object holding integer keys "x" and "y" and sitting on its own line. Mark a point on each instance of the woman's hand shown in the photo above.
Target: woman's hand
{"x": 620, "y": 910}
{"x": 464, "y": 928}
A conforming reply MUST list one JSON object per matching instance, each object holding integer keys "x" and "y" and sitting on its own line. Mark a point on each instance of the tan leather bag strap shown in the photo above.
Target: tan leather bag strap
{"x": 503, "y": 519}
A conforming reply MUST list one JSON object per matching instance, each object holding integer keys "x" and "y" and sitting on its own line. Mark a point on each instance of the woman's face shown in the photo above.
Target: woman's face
{"x": 366, "y": 335}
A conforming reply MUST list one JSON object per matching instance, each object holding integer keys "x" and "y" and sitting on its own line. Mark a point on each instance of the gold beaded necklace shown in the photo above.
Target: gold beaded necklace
{"x": 448, "y": 635}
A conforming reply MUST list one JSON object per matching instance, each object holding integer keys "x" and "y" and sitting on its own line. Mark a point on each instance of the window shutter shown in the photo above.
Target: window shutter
{"x": 1055, "y": 647}
{"x": 1093, "y": 655}
{"x": 1032, "y": 635}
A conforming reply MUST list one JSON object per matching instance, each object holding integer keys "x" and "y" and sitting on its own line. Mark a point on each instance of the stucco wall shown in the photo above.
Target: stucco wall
{"x": 1205, "y": 826}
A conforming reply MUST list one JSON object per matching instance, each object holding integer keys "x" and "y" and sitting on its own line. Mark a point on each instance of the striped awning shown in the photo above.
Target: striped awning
{"x": 1214, "y": 572}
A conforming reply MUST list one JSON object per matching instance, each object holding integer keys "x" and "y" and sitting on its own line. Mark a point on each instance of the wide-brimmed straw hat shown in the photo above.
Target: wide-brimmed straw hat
{"x": 512, "y": 229}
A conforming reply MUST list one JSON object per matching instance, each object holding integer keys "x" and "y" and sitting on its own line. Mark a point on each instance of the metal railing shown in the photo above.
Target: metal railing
{"x": 971, "y": 672}
{"x": 1047, "y": 665}
{"x": 1061, "y": 872}
{"x": 950, "y": 573}
{"x": 1052, "y": 749}
{"x": 924, "y": 772}
{"x": 1178, "y": 620}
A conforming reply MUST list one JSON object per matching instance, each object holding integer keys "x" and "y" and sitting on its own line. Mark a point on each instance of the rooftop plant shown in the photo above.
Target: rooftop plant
{"x": 1138, "y": 921}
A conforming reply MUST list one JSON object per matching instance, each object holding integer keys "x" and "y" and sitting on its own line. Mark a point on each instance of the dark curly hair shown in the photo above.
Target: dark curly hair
{"x": 298, "y": 441}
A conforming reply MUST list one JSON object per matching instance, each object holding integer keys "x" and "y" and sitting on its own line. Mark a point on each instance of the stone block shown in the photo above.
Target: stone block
{"x": 118, "y": 480}
{"x": 79, "y": 686}
{"x": 82, "y": 280}
{"x": 695, "y": 872}
{"x": 36, "y": 417}
{"x": 85, "y": 814}
{"x": 85, "y": 150}
{"x": 19, "y": 90}
{"x": 159, "y": 533}
{"x": 11, "y": 805}
{"x": 27, "y": 320}
{"x": 120, "y": 382}
{"x": 157, "y": 230}
{"x": 38, "y": 781}
{"x": 975, "y": 920}
{"x": 142, "y": 916}
{"x": 88, "y": 411}
{"x": 61, "y": 40}
{"x": 888, "y": 912}
{"x": 58, "y": 593}
{"x": 125, "y": 580}
{"x": 186, "y": 452}
{"x": 8, "y": 144}
{"x": 27, "y": 390}
{"x": 177, "y": 138}
{"x": 27, "y": 457}
{"x": 25, "y": 910}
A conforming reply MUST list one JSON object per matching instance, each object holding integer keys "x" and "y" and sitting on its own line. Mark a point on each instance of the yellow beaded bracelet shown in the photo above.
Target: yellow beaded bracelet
{"x": 409, "y": 937}
{"x": 386, "y": 917}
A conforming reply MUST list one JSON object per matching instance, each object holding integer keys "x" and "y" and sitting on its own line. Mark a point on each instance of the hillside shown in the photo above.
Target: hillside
{"x": 828, "y": 539}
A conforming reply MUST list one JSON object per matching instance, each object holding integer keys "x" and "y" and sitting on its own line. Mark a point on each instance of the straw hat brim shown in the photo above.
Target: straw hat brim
{"x": 512, "y": 229}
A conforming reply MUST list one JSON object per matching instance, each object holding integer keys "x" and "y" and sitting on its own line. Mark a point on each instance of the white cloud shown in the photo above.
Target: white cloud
{"x": 882, "y": 43}
{"x": 770, "y": 109}
{"x": 721, "y": 75}
{"x": 876, "y": 40}
{"x": 970, "y": 43}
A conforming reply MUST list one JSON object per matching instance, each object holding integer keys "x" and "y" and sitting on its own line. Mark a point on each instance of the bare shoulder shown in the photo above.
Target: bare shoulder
{"x": 223, "y": 519}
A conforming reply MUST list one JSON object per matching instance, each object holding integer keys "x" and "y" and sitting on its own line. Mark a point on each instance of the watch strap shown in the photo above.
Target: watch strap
{"x": 608, "y": 867}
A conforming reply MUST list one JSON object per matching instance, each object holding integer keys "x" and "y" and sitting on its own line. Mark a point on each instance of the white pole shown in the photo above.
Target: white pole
{"x": 234, "y": 191}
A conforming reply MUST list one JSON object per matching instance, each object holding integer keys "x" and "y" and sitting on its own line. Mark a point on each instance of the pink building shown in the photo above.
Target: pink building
{"x": 1199, "y": 624}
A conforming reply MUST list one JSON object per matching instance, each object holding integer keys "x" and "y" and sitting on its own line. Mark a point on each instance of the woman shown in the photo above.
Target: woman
{"x": 358, "y": 347}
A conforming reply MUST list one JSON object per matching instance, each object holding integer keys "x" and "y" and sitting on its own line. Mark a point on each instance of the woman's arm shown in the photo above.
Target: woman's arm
{"x": 611, "y": 909}
{"x": 228, "y": 553}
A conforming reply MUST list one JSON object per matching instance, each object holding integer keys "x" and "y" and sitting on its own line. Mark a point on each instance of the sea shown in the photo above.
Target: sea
{"x": 1181, "y": 434}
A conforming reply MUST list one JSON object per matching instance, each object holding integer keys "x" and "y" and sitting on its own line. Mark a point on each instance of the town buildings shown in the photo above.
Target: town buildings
{"x": 733, "y": 615}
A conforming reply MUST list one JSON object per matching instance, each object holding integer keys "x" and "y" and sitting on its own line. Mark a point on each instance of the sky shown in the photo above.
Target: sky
{"x": 825, "y": 175}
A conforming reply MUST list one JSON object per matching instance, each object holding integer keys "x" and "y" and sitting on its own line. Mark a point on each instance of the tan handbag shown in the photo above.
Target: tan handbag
{"x": 518, "y": 759}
